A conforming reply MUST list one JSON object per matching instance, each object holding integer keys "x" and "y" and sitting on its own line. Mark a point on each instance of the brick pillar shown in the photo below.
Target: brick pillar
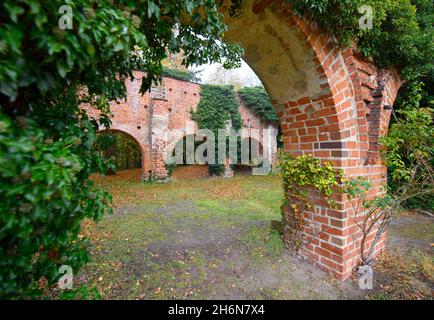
{"x": 331, "y": 236}
{"x": 159, "y": 126}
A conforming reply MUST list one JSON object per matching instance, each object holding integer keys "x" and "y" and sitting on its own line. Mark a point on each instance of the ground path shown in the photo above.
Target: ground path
{"x": 211, "y": 239}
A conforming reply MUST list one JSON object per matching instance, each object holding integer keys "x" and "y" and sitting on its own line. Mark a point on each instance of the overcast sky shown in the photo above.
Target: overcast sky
{"x": 244, "y": 72}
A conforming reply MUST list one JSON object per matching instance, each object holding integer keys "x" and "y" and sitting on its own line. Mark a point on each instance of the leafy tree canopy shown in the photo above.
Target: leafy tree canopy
{"x": 46, "y": 142}
{"x": 402, "y": 35}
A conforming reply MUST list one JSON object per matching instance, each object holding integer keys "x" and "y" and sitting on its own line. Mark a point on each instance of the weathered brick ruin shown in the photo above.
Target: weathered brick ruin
{"x": 148, "y": 118}
{"x": 330, "y": 102}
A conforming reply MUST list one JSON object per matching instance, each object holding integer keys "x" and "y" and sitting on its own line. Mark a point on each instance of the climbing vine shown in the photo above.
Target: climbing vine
{"x": 218, "y": 105}
{"x": 256, "y": 98}
{"x": 402, "y": 35}
{"x": 303, "y": 175}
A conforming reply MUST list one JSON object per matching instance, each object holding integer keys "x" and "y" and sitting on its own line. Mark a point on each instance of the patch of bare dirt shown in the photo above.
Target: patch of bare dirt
{"x": 406, "y": 270}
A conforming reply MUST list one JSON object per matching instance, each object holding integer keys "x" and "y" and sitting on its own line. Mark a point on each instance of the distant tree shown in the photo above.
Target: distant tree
{"x": 251, "y": 80}
{"x": 224, "y": 77}
{"x": 119, "y": 148}
{"x": 238, "y": 78}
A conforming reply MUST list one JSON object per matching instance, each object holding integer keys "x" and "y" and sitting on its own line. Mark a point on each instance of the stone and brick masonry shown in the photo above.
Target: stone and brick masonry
{"x": 331, "y": 103}
{"x": 147, "y": 118}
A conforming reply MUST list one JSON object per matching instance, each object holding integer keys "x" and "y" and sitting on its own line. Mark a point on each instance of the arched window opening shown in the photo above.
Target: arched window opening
{"x": 121, "y": 149}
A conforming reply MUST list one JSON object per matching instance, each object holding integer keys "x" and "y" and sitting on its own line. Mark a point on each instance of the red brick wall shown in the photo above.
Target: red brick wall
{"x": 253, "y": 121}
{"x": 147, "y": 118}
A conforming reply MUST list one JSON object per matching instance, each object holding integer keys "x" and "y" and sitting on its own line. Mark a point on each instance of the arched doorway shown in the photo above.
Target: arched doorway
{"x": 252, "y": 155}
{"x": 124, "y": 152}
{"x": 183, "y": 164}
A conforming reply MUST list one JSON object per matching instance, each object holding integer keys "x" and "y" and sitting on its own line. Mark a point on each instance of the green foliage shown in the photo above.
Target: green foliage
{"x": 180, "y": 74}
{"x": 217, "y": 106}
{"x": 216, "y": 169}
{"x": 402, "y": 33}
{"x": 84, "y": 292}
{"x": 340, "y": 17}
{"x": 358, "y": 188}
{"x": 257, "y": 99}
{"x": 169, "y": 168}
{"x": 46, "y": 143}
{"x": 409, "y": 156}
{"x": 306, "y": 171}
{"x": 44, "y": 198}
{"x": 400, "y": 40}
{"x": 303, "y": 175}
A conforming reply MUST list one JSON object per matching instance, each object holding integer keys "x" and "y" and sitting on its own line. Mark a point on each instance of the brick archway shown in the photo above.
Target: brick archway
{"x": 330, "y": 103}
{"x": 136, "y": 136}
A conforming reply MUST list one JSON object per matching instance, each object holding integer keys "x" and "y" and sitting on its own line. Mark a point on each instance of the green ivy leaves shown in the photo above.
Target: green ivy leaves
{"x": 217, "y": 105}
{"x": 257, "y": 99}
{"x": 307, "y": 171}
{"x": 43, "y": 201}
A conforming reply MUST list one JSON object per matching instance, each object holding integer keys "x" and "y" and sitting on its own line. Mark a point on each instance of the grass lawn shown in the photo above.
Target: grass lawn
{"x": 211, "y": 238}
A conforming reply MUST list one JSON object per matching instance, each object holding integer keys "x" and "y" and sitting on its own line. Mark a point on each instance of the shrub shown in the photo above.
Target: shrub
{"x": 44, "y": 198}
{"x": 47, "y": 142}
{"x": 180, "y": 75}
{"x": 409, "y": 156}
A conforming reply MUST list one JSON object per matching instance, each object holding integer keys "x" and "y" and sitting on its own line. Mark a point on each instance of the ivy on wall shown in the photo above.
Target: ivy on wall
{"x": 301, "y": 176}
{"x": 218, "y": 104}
{"x": 402, "y": 36}
{"x": 256, "y": 98}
